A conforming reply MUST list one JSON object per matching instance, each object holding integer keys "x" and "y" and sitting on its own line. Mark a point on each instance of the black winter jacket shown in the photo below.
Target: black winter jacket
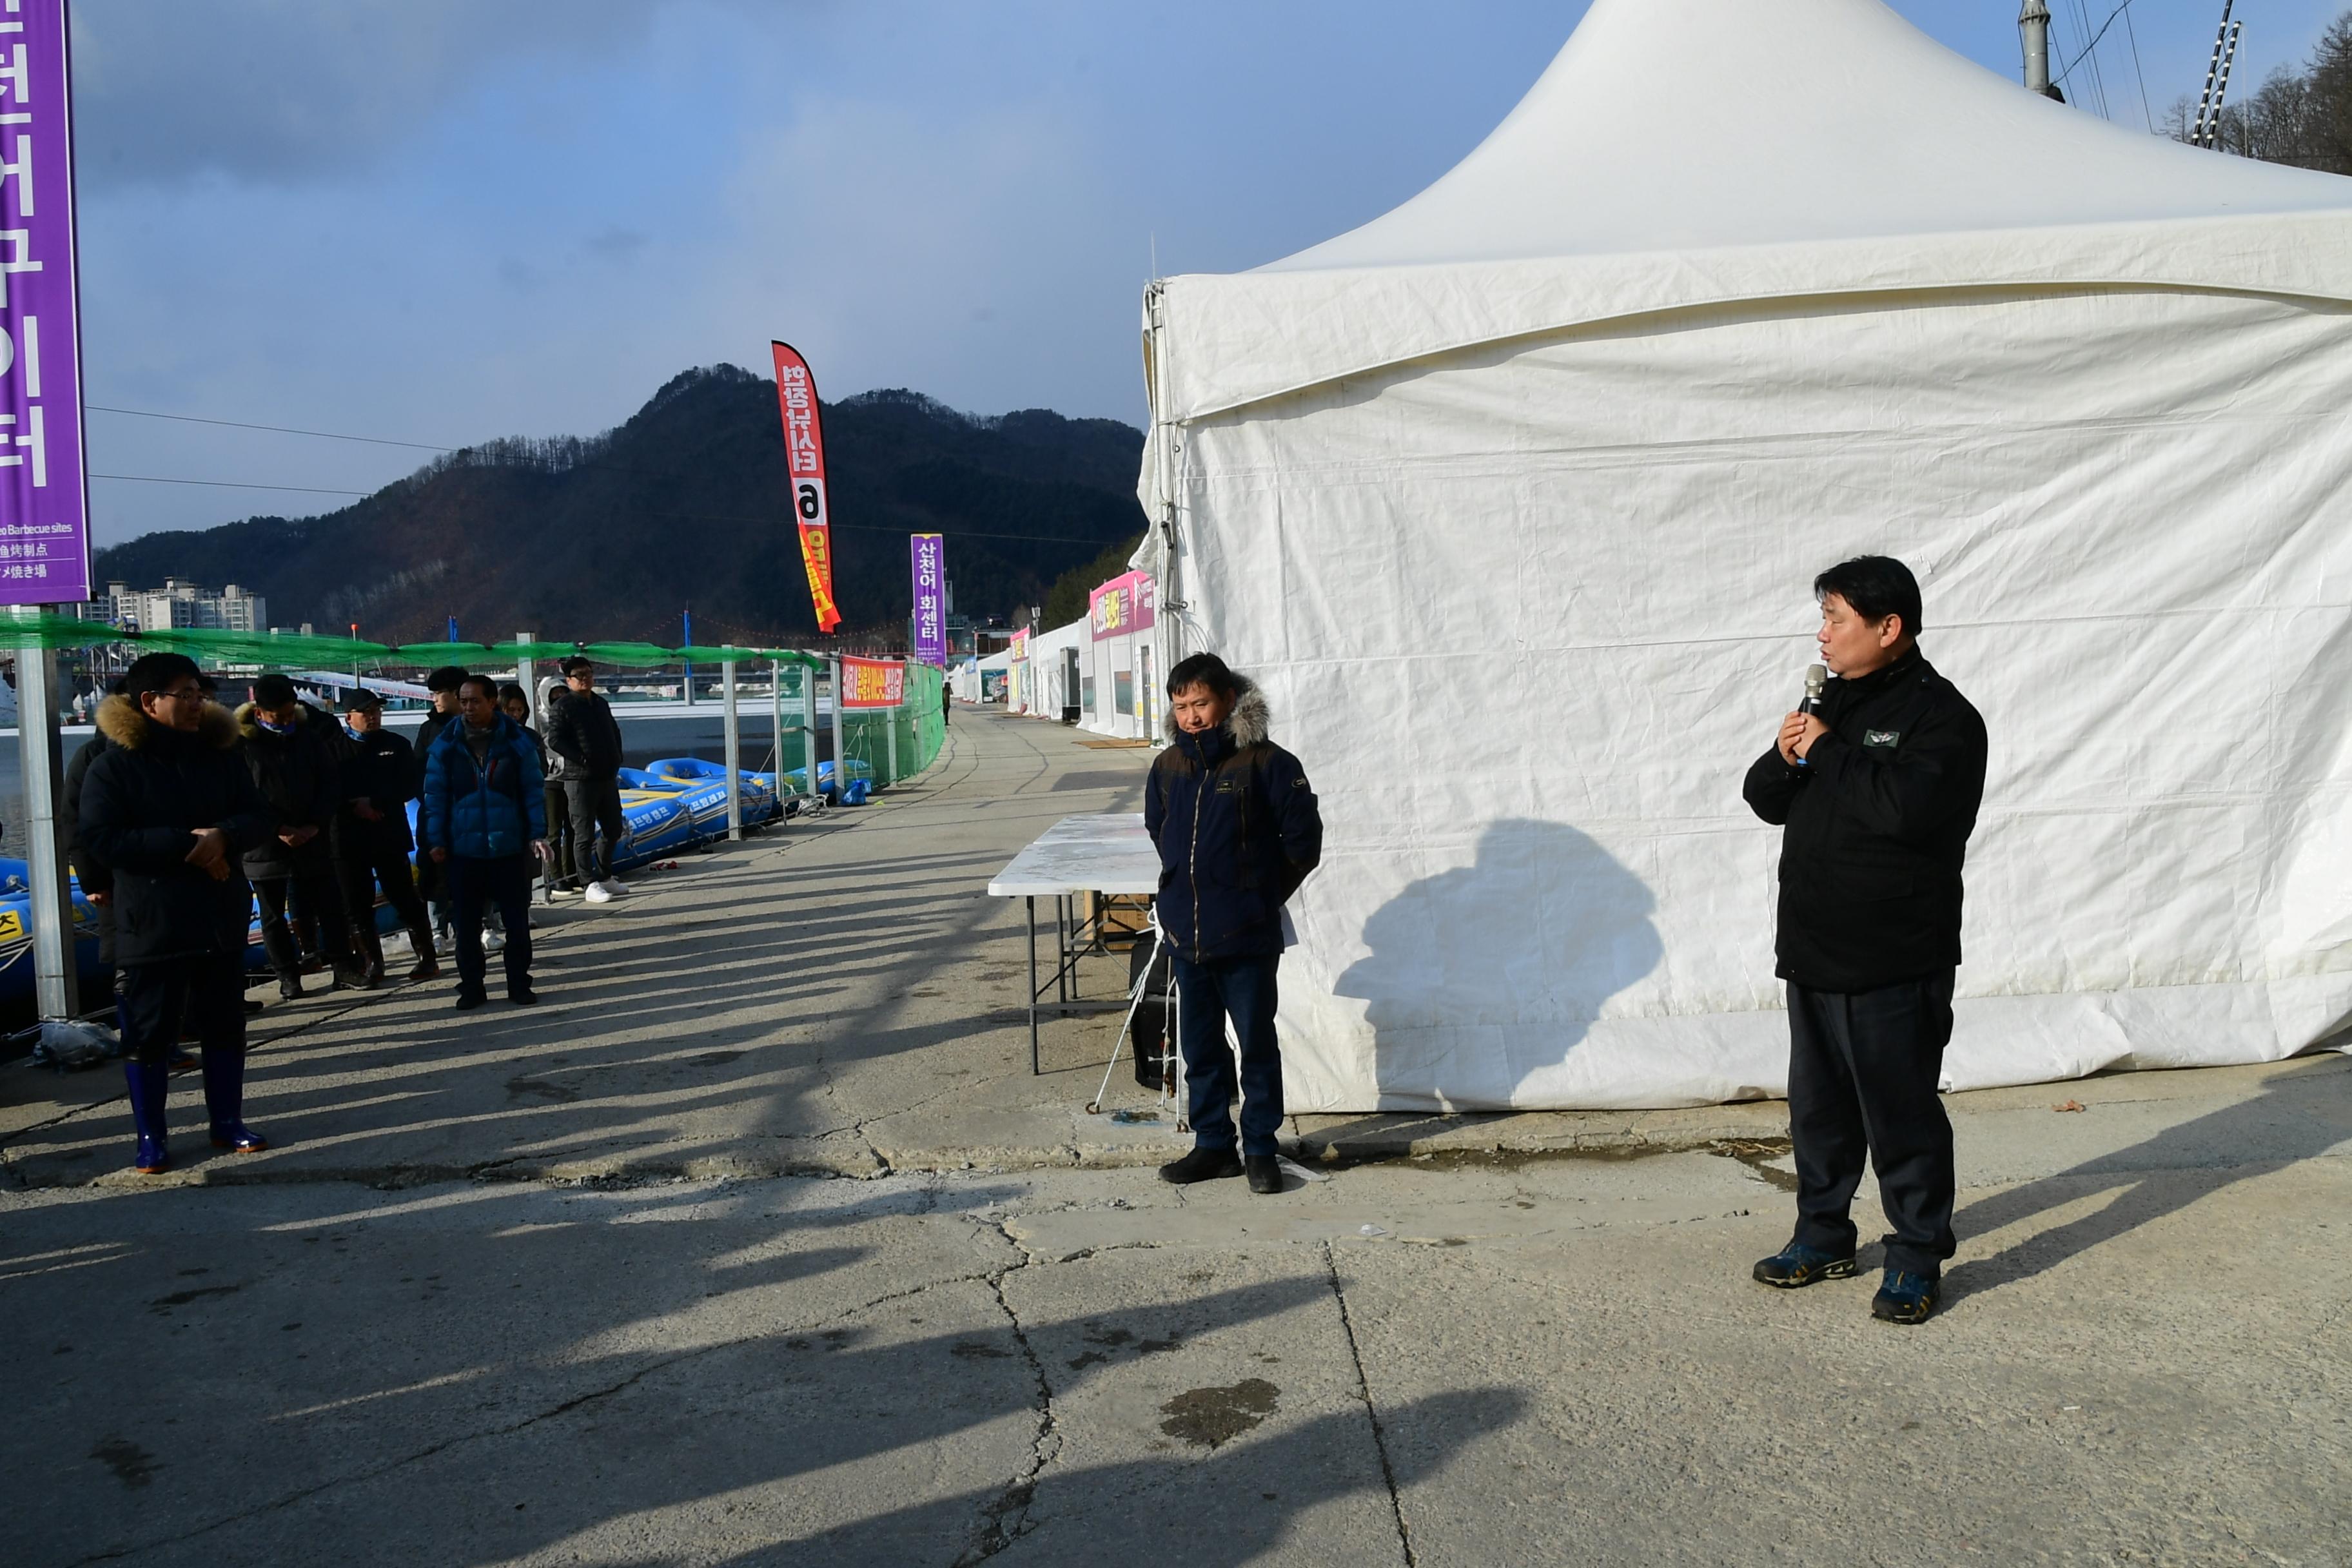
{"x": 1238, "y": 831}
{"x": 301, "y": 774}
{"x": 380, "y": 771}
{"x": 584, "y": 733}
{"x": 1877, "y": 826}
{"x": 143, "y": 800}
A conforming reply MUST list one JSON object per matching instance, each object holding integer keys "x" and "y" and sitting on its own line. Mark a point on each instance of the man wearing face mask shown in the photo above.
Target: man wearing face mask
{"x": 1877, "y": 793}
{"x": 1238, "y": 831}
{"x": 371, "y": 837}
{"x": 295, "y": 752}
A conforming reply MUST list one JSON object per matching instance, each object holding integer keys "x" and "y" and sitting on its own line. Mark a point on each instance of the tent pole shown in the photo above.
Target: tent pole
{"x": 808, "y": 727}
{"x": 776, "y": 721}
{"x": 734, "y": 745}
{"x": 840, "y": 740}
{"x": 524, "y": 674}
{"x": 55, "y": 980}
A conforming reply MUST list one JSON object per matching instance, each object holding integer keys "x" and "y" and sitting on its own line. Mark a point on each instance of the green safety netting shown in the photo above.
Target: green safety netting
{"x": 288, "y": 650}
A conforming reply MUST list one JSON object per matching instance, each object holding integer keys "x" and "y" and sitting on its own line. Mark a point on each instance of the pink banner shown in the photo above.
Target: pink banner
{"x": 873, "y": 682}
{"x": 1123, "y": 605}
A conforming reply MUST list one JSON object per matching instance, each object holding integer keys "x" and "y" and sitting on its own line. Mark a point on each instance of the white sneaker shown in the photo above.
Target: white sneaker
{"x": 446, "y": 943}
{"x": 596, "y": 894}
{"x": 614, "y": 887}
{"x": 494, "y": 942}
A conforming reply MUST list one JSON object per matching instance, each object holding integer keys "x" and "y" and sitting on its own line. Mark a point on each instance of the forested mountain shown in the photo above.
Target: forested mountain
{"x": 610, "y": 537}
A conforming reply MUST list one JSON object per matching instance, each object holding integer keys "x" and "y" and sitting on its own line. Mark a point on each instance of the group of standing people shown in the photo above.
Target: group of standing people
{"x": 185, "y": 815}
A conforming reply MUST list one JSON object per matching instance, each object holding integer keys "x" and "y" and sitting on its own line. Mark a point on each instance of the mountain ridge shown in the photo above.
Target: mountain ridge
{"x": 686, "y": 501}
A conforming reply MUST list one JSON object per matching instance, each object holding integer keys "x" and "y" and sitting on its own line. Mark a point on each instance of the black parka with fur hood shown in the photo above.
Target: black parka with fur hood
{"x": 1238, "y": 831}
{"x": 142, "y": 802}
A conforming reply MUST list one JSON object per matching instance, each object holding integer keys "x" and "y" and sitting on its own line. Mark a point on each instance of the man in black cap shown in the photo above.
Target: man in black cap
{"x": 1878, "y": 792}
{"x": 169, "y": 807}
{"x": 372, "y": 837}
{"x": 295, "y": 752}
{"x": 580, "y": 730}
{"x": 432, "y": 882}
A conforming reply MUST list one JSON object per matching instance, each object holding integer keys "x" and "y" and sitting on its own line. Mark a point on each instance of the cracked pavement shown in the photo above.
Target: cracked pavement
{"x": 588, "y": 1285}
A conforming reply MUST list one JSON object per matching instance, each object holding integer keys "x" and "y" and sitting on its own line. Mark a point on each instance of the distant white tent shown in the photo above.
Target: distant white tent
{"x": 1511, "y": 497}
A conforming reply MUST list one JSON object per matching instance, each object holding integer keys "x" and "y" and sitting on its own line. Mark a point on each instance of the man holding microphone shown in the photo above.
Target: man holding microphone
{"x": 1877, "y": 788}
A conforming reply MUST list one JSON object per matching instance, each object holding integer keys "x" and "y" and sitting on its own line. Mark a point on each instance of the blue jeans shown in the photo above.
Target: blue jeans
{"x": 1207, "y": 995}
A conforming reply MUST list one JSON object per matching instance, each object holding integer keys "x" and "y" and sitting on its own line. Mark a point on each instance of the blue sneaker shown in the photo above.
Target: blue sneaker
{"x": 1904, "y": 1298}
{"x": 1797, "y": 1265}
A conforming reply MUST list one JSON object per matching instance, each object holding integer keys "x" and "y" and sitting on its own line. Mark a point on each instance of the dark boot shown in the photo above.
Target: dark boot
{"x": 224, "y": 1102}
{"x": 1202, "y": 1166}
{"x": 1264, "y": 1173}
{"x": 371, "y": 948}
{"x": 289, "y": 986}
{"x": 148, "y": 1081}
{"x": 420, "y": 942}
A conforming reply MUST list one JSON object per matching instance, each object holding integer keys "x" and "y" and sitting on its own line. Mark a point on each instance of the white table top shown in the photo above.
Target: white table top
{"x": 1105, "y": 853}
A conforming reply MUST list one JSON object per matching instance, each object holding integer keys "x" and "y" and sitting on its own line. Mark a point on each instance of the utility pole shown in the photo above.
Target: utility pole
{"x": 2033, "y": 26}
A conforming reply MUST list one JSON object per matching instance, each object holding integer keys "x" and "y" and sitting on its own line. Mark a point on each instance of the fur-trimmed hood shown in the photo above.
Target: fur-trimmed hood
{"x": 1250, "y": 723}
{"x": 124, "y": 724}
{"x": 251, "y": 729}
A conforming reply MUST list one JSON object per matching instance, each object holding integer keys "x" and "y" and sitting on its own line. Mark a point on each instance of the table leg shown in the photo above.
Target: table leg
{"x": 1032, "y": 985}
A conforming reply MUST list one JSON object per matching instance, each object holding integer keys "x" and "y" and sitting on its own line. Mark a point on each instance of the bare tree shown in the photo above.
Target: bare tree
{"x": 2303, "y": 118}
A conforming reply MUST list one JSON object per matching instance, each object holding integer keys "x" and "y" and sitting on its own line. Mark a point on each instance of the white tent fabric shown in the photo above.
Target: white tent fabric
{"x": 1512, "y": 498}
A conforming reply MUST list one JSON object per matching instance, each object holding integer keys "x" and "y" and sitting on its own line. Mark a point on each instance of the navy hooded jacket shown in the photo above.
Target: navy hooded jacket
{"x": 1238, "y": 831}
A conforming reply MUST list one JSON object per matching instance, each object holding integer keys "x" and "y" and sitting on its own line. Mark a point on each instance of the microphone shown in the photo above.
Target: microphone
{"x": 1816, "y": 677}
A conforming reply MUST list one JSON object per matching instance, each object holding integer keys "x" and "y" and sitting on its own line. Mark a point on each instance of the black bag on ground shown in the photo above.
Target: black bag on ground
{"x": 1150, "y": 1036}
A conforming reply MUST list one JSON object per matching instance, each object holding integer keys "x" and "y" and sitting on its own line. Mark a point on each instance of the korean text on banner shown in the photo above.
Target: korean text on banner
{"x": 44, "y": 507}
{"x": 873, "y": 682}
{"x": 930, "y": 554}
{"x": 804, "y": 458}
{"x": 1123, "y": 605}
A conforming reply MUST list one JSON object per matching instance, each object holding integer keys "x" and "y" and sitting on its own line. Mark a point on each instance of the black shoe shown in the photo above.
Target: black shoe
{"x": 1202, "y": 1165}
{"x": 1904, "y": 1298}
{"x": 290, "y": 988}
{"x": 354, "y": 978}
{"x": 1264, "y": 1173}
{"x": 252, "y": 1006}
{"x": 1797, "y": 1265}
{"x": 470, "y": 1000}
{"x": 522, "y": 996}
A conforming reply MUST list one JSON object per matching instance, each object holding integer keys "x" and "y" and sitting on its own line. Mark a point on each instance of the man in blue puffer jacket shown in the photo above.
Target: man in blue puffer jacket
{"x": 485, "y": 815}
{"x": 1238, "y": 831}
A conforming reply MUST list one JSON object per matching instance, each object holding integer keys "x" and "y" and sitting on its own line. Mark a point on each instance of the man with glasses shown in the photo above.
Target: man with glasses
{"x": 583, "y": 732}
{"x": 169, "y": 807}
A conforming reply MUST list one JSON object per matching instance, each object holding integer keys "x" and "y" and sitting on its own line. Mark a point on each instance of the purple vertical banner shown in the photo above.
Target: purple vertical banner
{"x": 929, "y": 552}
{"x": 44, "y": 504}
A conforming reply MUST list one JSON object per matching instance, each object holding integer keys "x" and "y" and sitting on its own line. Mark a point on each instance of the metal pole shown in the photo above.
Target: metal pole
{"x": 734, "y": 762}
{"x": 55, "y": 980}
{"x": 687, "y": 623}
{"x": 525, "y": 674}
{"x": 776, "y": 718}
{"x": 2213, "y": 72}
{"x": 2221, "y": 89}
{"x": 840, "y": 742}
{"x": 2033, "y": 25}
{"x": 890, "y": 740}
{"x": 808, "y": 727}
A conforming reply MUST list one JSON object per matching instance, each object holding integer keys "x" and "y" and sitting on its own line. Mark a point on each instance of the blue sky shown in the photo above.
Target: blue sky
{"x": 439, "y": 221}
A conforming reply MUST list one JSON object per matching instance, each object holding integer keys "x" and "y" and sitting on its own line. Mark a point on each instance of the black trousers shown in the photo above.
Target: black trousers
{"x": 1863, "y": 1068}
{"x": 360, "y": 867}
{"x": 205, "y": 993}
{"x": 313, "y": 896}
{"x": 559, "y": 835}
{"x": 596, "y": 803}
{"x": 506, "y": 883}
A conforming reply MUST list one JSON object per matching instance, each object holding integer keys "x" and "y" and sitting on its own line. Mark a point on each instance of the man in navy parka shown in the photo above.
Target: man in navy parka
{"x": 1238, "y": 831}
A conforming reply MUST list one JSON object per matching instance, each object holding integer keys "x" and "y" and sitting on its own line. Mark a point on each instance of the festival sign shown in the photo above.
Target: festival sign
{"x": 43, "y": 500}
{"x": 1123, "y": 605}
{"x": 804, "y": 458}
{"x": 930, "y": 554}
{"x": 873, "y": 682}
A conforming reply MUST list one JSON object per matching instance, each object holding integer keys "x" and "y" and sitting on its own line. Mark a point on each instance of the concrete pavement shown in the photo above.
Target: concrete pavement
{"x": 539, "y": 1287}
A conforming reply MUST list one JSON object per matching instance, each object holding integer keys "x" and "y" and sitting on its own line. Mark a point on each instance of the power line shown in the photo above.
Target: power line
{"x": 2094, "y": 44}
{"x": 228, "y": 484}
{"x": 280, "y": 429}
{"x": 2133, "y": 34}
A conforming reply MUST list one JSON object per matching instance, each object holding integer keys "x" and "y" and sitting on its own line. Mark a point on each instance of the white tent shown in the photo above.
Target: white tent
{"x": 1512, "y": 499}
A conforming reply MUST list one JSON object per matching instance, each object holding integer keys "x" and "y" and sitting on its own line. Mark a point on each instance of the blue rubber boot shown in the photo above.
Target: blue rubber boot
{"x": 224, "y": 1100}
{"x": 149, "y": 1083}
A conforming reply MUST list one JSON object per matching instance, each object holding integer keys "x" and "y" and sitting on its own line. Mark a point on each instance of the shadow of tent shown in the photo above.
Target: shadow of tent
{"x": 2304, "y": 1110}
{"x": 1239, "y": 1503}
{"x": 1529, "y": 940}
